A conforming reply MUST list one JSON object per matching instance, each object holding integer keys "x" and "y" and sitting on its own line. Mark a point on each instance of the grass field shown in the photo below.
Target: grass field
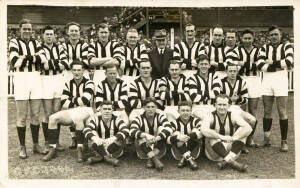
{"x": 264, "y": 163}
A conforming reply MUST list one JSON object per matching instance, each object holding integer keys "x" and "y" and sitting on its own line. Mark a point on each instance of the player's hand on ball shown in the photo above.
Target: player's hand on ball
{"x": 213, "y": 63}
{"x": 227, "y": 138}
{"x": 97, "y": 140}
{"x": 183, "y": 138}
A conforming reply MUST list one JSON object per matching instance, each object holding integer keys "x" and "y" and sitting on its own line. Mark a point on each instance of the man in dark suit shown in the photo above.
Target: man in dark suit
{"x": 159, "y": 57}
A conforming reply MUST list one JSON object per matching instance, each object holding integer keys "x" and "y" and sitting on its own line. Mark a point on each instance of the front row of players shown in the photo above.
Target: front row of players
{"x": 225, "y": 133}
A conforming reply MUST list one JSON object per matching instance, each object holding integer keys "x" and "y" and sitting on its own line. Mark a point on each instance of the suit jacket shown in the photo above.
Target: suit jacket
{"x": 160, "y": 63}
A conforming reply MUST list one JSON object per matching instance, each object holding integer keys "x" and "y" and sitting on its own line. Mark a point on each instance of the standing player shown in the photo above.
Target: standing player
{"x": 26, "y": 57}
{"x": 133, "y": 54}
{"x": 101, "y": 53}
{"x": 230, "y": 40}
{"x": 274, "y": 59}
{"x": 113, "y": 89}
{"x": 188, "y": 51}
{"x": 204, "y": 86}
{"x": 246, "y": 56}
{"x": 216, "y": 52}
{"x": 173, "y": 89}
{"x": 107, "y": 133}
{"x": 186, "y": 136}
{"x": 51, "y": 80}
{"x": 225, "y": 134}
{"x": 77, "y": 92}
{"x": 150, "y": 131}
{"x": 75, "y": 49}
{"x": 143, "y": 87}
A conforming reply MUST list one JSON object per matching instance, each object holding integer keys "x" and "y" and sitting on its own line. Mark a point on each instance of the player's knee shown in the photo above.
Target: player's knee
{"x": 54, "y": 118}
{"x": 282, "y": 113}
{"x": 79, "y": 125}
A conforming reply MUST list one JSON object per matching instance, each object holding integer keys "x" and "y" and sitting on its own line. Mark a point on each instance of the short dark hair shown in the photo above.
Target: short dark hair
{"x": 188, "y": 25}
{"x": 223, "y": 96}
{"x": 230, "y": 64}
{"x": 149, "y": 100}
{"x": 174, "y": 62}
{"x": 273, "y": 27}
{"x": 24, "y": 21}
{"x": 76, "y": 62}
{"x": 110, "y": 66}
{"x": 203, "y": 57}
{"x": 103, "y": 26}
{"x": 48, "y": 27}
{"x": 73, "y": 23}
{"x": 184, "y": 103}
{"x": 106, "y": 102}
{"x": 247, "y": 31}
{"x": 231, "y": 31}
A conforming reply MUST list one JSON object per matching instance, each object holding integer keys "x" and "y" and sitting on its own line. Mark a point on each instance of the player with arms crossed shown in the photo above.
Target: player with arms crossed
{"x": 51, "y": 80}
{"x": 150, "y": 131}
{"x": 107, "y": 133}
{"x": 188, "y": 51}
{"x": 186, "y": 137}
{"x": 101, "y": 53}
{"x": 26, "y": 57}
{"x": 226, "y": 134}
{"x": 173, "y": 89}
{"x": 274, "y": 59}
{"x": 246, "y": 56}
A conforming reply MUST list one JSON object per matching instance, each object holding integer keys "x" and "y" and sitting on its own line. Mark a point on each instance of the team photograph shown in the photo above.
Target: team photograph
{"x": 159, "y": 93}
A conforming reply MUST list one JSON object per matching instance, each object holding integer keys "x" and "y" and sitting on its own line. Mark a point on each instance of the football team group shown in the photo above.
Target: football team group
{"x": 194, "y": 99}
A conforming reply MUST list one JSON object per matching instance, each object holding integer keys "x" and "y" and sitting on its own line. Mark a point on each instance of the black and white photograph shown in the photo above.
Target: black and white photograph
{"x": 149, "y": 91}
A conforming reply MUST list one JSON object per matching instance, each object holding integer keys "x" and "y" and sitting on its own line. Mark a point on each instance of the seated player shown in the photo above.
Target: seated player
{"x": 173, "y": 89}
{"x": 204, "y": 87}
{"x": 107, "y": 133}
{"x": 113, "y": 89}
{"x": 142, "y": 87}
{"x": 78, "y": 91}
{"x": 76, "y": 117}
{"x": 150, "y": 131}
{"x": 234, "y": 86}
{"x": 186, "y": 137}
{"x": 226, "y": 134}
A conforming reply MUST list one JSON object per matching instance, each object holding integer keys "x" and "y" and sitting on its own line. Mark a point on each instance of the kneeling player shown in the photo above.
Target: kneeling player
{"x": 186, "y": 138}
{"x": 76, "y": 117}
{"x": 108, "y": 134}
{"x": 150, "y": 130}
{"x": 226, "y": 134}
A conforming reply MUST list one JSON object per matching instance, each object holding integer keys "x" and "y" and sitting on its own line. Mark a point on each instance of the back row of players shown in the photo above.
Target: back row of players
{"x": 206, "y": 71}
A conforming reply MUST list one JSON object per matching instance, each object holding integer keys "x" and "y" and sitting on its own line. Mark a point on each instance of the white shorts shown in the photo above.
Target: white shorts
{"x": 253, "y": 86}
{"x": 80, "y": 114}
{"x": 189, "y": 73}
{"x": 52, "y": 86}
{"x": 27, "y": 85}
{"x": 67, "y": 75}
{"x": 275, "y": 83}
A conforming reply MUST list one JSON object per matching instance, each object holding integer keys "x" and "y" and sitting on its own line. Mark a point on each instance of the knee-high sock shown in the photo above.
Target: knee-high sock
{"x": 284, "y": 124}
{"x": 253, "y": 129}
{"x": 72, "y": 130}
{"x": 79, "y": 137}
{"x": 52, "y": 137}
{"x": 58, "y": 131}
{"x": 35, "y": 133}
{"x": 99, "y": 149}
{"x": 21, "y": 135}
{"x": 267, "y": 124}
{"x": 45, "y": 130}
{"x": 219, "y": 148}
{"x": 237, "y": 146}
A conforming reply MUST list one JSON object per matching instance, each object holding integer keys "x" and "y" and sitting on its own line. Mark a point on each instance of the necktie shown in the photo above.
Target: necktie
{"x": 161, "y": 51}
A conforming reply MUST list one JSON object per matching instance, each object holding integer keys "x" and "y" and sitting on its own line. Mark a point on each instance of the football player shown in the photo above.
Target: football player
{"x": 274, "y": 59}
{"x": 26, "y": 56}
{"x": 150, "y": 131}
{"x": 226, "y": 134}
